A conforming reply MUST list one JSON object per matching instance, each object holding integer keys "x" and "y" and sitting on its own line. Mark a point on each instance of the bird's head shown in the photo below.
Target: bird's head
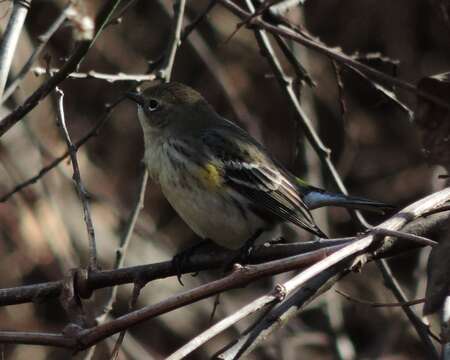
{"x": 170, "y": 108}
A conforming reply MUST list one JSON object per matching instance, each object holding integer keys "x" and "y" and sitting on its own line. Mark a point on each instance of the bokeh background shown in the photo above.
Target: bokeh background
{"x": 375, "y": 146}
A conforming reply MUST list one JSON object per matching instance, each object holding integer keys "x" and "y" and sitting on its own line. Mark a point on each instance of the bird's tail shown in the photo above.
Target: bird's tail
{"x": 316, "y": 198}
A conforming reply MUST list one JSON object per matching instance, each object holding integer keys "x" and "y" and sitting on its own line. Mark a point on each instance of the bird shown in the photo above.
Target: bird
{"x": 223, "y": 183}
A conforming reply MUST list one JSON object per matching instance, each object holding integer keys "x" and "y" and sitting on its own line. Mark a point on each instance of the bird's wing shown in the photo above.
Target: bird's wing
{"x": 249, "y": 170}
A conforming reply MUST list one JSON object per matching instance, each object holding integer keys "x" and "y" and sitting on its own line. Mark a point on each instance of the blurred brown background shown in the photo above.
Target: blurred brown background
{"x": 376, "y": 149}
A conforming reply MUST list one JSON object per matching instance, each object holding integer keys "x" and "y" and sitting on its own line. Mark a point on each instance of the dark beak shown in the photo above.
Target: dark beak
{"x": 136, "y": 97}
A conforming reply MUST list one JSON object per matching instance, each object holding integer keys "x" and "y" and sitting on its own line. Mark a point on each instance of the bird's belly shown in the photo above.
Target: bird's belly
{"x": 214, "y": 215}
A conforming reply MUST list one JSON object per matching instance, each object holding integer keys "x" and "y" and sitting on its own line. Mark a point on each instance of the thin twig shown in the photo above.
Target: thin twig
{"x": 120, "y": 259}
{"x": 133, "y": 303}
{"x": 402, "y": 235}
{"x": 121, "y": 13}
{"x": 81, "y": 190}
{"x": 285, "y": 5}
{"x": 111, "y": 78}
{"x": 376, "y": 56}
{"x": 262, "y": 8}
{"x": 340, "y": 86}
{"x": 125, "y": 242}
{"x": 300, "y": 71}
{"x": 385, "y": 92}
{"x": 11, "y": 38}
{"x": 185, "y": 33}
{"x": 375, "y": 304}
{"x": 419, "y": 326}
{"x": 175, "y": 41}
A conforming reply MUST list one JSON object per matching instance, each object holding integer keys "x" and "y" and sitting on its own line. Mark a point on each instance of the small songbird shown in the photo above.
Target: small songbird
{"x": 220, "y": 180}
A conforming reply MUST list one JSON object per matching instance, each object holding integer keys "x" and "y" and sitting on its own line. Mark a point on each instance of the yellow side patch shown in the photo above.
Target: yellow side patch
{"x": 211, "y": 177}
{"x": 301, "y": 182}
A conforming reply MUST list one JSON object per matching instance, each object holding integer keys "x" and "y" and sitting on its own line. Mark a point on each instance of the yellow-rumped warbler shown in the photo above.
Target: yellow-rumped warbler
{"x": 221, "y": 181}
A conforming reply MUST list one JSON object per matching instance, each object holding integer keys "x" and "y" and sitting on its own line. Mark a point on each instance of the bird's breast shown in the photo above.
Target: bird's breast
{"x": 197, "y": 192}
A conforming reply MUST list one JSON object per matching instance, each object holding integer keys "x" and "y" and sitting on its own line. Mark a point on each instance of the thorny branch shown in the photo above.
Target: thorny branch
{"x": 211, "y": 259}
{"x": 238, "y": 278}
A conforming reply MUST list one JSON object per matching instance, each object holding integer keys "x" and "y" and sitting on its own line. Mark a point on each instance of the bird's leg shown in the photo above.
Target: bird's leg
{"x": 181, "y": 259}
{"x": 249, "y": 245}
{"x": 245, "y": 251}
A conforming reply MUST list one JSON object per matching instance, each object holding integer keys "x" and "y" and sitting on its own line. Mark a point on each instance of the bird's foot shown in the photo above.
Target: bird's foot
{"x": 245, "y": 252}
{"x": 181, "y": 260}
{"x": 178, "y": 262}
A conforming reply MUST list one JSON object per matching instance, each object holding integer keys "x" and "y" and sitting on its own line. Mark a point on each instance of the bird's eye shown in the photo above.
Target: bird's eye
{"x": 153, "y": 105}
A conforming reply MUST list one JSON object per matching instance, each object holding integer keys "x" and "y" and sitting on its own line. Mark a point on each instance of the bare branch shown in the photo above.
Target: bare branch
{"x": 124, "y": 243}
{"x": 379, "y": 304}
{"x": 111, "y": 78}
{"x": 77, "y": 179}
{"x": 120, "y": 259}
{"x": 419, "y": 326}
{"x": 403, "y": 235}
{"x": 241, "y": 276}
{"x": 210, "y": 259}
{"x": 175, "y": 41}
{"x": 133, "y": 303}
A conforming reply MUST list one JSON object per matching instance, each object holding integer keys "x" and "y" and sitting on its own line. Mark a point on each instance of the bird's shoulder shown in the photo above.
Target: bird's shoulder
{"x": 231, "y": 143}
